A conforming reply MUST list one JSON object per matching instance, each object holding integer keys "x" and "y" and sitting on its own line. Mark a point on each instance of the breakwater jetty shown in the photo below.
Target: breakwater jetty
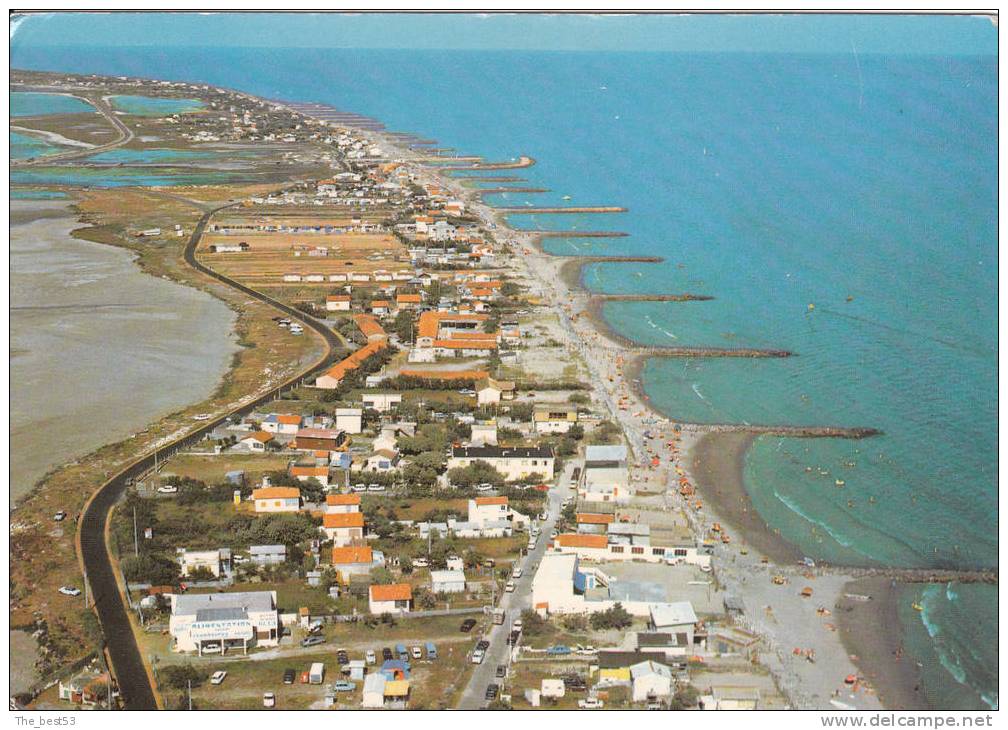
{"x": 562, "y": 209}
{"x": 448, "y": 159}
{"x": 846, "y": 432}
{"x": 918, "y": 575}
{"x": 523, "y": 161}
{"x": 579, "y": 234}
{"x": 652, "y": 297}
{"x": 671, "y": 351}
{"x": 492, "y": 178}
{"x": 495, "y": 191}
{"x": 331, "y": 114}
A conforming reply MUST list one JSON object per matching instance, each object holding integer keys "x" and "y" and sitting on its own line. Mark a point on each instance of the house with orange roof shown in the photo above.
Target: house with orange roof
{"x": 282, "y": 423}
{"x": 593, "y": 523}
{"x": 392, "y": 598}
{"x": 381, "y": 307}
{"x": 337, "y": 303}
{"x": 257, "y": 441}
{"x": 343, "y": 528}
{"x": 277, "y": 499}
{"x": 408, "y": 301}
{"x": 354, "y": 560}
{"x": 304, "y": 473}
{"x": 342, "y": 503}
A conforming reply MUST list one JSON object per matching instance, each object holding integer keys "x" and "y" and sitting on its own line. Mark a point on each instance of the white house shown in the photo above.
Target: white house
{"x": 349, "y": 419}
{"x": 672, "y": 618}
{"x": 448, "y": 581}
{"x": 337, "y": 302}
{"x": 304, "y": 473}
{"x": 554, "y": 418}
{"x": 282, "y": 423}
{"x": 257, "y": 441}
{"x": 484, "y": 434}
{"x": 651, "y": 681}
{"x": 513, "y": 463}
{"x": 228, "y": 620}
{"x": 342, "y": 503}
{"x": 382, "y": 461}
{"x": 343, "y": 528}
{"x": 212, "y": 560}
{"x": 490, "y": 391}
{"x": 392, "y": 598}
{"x": 277, "y": 499}
{"x": 381, "y": 402}
{"x": 353, "y": 560}
{"x": 493, "y": 509}
{"x": 605, "y": 477}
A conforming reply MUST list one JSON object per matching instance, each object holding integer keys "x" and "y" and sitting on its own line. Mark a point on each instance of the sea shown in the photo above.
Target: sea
{"x": 842, "y": 207}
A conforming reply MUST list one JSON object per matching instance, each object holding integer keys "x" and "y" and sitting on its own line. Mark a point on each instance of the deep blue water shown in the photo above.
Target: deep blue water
{"x": 863, "y": 185}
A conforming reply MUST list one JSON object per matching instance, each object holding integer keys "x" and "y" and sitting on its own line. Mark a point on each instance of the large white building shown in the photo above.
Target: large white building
{"x": 227, "y": 620}
{"x": 493, "y": 510}
{"x": 513, "y": 463}
{"x": 605, "y": 477}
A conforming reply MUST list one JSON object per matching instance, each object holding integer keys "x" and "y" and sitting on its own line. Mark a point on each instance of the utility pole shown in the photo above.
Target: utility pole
{"x": 136, "y": 541}
{"x": 189, "y": 685}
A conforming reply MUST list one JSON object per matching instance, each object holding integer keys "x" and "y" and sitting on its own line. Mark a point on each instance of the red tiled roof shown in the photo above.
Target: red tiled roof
{"x": 392, "y": 592}
{"x": 344, "y": 519}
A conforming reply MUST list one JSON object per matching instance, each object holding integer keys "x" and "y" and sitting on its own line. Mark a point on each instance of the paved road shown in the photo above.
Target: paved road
{"x": 112, "y": 613}
{"x": 474, "y": 695}
{"x": 125, "y": 133}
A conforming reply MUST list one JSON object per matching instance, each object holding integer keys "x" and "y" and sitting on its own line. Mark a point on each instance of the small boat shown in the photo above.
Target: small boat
{"x": 566, "y": 197}
{"x": 840, "y": 482}
{"x": 811, "y": 307}
{"x": 916, "y": 606}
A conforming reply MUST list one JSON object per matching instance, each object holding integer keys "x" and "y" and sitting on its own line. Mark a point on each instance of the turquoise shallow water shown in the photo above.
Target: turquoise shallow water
{"x": 23, "y": 146}
{"x": 149, "y": 106}
{"x": 865, "y": 185}
{"x": 32, "y": 104}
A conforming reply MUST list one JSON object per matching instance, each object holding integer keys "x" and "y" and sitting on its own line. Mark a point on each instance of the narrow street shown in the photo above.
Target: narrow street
{"x": 474, "y": 695}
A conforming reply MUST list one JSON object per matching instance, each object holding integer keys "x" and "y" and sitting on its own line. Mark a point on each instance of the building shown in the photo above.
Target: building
{"x": 320, "y": 439}
{"x": 731, "y": 698}
{"x": 651, "y": 681}
{"x": 513, "y": 463}
{"x": 277, "y": 499}
{"x": 392, "y": 598}
{"x": 348, "y": 420}
{"x": 408, "y": 301}
{"x": 268, "y": 554}
{"x": 343, "y": 528}
{"x": 448, "y": 581}
{"x": 558, "y": 585}
{"x": 605, "y": 476}
{"x": 382, "y": 461}
{"x": 352, "y": 560}
{"x": 490, "y": 391}
{"x": 337, "y": 303}
{"x": 381, "y": 402}
{"x": 483, "y": 510}
{"x": 86, "y": 688}
{"x": 483, "y": 434}
{"x": 257, "y": 441}
{"x": 303, "y": 473}
{"x": 673, "y": 618}
{"x": 213, "y": 561}
{"x": 228, "y": 620}
{"x": 282, "y": 423}
{"x": 342, "y": 503}
{"x": 594, "y": 523}
{"x": 553, "y": 418}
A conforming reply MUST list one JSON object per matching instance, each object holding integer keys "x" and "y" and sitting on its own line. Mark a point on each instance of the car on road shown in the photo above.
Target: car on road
{"x": 501, "y": 671}
{"x": 269, "y": 699}
{"x": 491, "y": 691}
{"x": 591, "y": 703}
{"x": 517, "y": 573}
{"x": 217, "y": 677}
{"x": 553, "y": 534}
{"x": 477, "y": 656}
{"x": 558, "y": 650}
{"x": 513, "y": 638}
{"x": 211, "y": 649}
{"x": 167, "y": 489}
{"x": 467, "y": 625}
{"x": 417, "y": 652}
{"x": 516, "y": 625}
{"x": 576, "y": 474}
{"x": 312, "y": 640}
{"x": 376, "y": 487}
{"x": 359, "y": 488}
{"x": 343, "y": 685}
{"x": 69, "y": 591}
{"x": 482, "y": 645}
{"x": 386, "y": 654}
{"x": 289, "y": 676}
{"x": 369, "y": 656}
{"x": 59, "y": 516}
{"x": 509, "y": 586}
{"x": 586, "y": 650}
{"x": 484, "y": 487}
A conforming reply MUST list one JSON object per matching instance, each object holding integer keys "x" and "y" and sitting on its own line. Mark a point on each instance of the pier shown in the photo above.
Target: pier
{"x": 579, "y": 234}
{"x": 523, "y": 161}
{"x": 563, "y": 209}
{"x": 651, "y": 297}
{"x": 920, "y": 575}
{"x": 670, "y": 351}
{"x": 494, "y": 191}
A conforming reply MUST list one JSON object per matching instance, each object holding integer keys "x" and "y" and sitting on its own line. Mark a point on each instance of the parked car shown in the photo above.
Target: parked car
{"x": 59, "y": 516}
{"x": 491, "y": 692}
{"x": 509, "y": 586}
{"x": 369, "y": 656}
{"x": 431, "y": 651}
{"x": 312, "y": 640}
{"x": 416, "y": 652}
{"x": 211, "y": 648}
{"x": 516, "y": 625}
{"x": 167, "y": 489}
{"x": 558, "y": 650}
{"x": 289, "y": 676}
{"x": 386, "y": 654}
{"x": 342, "y": 657}
{"x": 401, "y": 653}
{"x": 517, "y": 573}
{"x": 217, "y": 677}
{"x": 69, "y": 591}
{"x": 376, "y": 487}
{"x": 484, "y": 487}
{"x": 467, "y": 625}
{"x": 420, "y": 562}
{"x": 343, "y": 685}
{"x": 359, "y": 488}
{"x": 501, "y": 671}
{"x": 591, "y": 703}
{"x": 269, "y": 699}
{"x": 483, "y": 645}
{"x": 586, "y": 650}
{"x": 477, "y": 657}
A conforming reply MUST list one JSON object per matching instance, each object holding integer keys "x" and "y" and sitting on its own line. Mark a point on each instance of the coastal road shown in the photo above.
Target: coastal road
{"x": 96, "y": 560}
{"x": 125, "y": 133}
{"x": 474, "y": 694}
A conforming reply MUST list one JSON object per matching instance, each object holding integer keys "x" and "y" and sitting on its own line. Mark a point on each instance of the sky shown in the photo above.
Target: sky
{"x": 933, "y": 34}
